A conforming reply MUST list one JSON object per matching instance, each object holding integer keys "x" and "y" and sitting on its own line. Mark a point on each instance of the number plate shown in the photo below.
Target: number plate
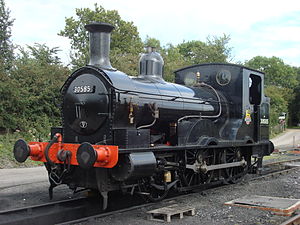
{"x": 84, "y": 89}
{"x": 264, "y": 121}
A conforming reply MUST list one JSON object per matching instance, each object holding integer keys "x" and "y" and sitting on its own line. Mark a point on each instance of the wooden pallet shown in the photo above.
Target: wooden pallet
{"x": 165, "y": 213}
{"x": 280, "y": 206}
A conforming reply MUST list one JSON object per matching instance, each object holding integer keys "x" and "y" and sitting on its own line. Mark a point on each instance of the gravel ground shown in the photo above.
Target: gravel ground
{"x": 209, "y": 204}
{"x": 210, "y": 208}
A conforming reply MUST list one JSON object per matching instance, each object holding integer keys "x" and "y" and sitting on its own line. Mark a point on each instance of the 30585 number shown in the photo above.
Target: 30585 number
{"x": 84, "y": 89}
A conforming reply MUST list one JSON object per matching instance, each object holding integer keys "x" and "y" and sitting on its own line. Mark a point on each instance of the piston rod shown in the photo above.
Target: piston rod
{"x": 197, "y": 167}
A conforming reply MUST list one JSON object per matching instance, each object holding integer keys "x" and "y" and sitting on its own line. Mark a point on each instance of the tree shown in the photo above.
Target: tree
{"x": 27, "y": 94}
{"x": 213, "y": 50}
{"x": 294, "y": 108}
{"x": 153, "y": 42}
{"x": 276, "y": 71}
{"x": 9, "y": 104}
{"x": 192, "y": 52}
{"x": 280, "y": 80}
{"x": 6, "y": 46}
{"x": 173, "y": 61}
{"x": 7, "y": 93}
{"x": 171, "y": 56}
{"x": 278, "y": 103}
{"x": 125, "y": 38}
{"x": 295, "y": 104}
{"x": 43, "y": 54}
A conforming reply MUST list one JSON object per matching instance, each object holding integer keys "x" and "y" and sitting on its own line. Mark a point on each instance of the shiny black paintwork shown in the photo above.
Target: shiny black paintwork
{"x": 108, "y": 107}
{"x": 166, "y": 132}
{"x": 237, "y": 95}
{"x": 218, "y": 113}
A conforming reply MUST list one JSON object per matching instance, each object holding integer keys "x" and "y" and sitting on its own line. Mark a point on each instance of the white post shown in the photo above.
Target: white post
{"x": 294, "y": 141}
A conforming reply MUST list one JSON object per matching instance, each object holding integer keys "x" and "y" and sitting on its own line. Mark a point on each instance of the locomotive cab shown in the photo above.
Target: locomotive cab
{"x": 242, "y": 87}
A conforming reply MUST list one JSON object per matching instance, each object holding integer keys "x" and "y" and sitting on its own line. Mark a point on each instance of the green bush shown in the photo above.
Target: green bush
{"x": 7, "y": 142}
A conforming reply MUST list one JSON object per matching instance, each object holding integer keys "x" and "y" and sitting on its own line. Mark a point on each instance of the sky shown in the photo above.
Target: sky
{"x": 257, "y": 27}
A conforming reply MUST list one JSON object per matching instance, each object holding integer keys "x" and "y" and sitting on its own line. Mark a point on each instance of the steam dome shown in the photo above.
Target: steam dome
{"x": 151, "y": 63}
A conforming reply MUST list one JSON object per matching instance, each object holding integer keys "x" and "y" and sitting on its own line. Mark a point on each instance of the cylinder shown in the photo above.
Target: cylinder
{"x": 134, "y": 165}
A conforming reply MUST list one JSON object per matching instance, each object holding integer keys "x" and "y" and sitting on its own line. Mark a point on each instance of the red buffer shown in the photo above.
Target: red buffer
{"x": 85, "y": 155}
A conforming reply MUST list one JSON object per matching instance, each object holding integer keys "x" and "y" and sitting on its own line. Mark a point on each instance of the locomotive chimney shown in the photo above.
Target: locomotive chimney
{"x": 100, "y": 44}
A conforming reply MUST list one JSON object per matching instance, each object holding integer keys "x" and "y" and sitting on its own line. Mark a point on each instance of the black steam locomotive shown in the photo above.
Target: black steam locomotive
{"x": 144, "y": 135}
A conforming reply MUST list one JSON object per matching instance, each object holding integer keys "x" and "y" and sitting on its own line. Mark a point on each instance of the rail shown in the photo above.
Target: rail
{"x": 50, "y": 213}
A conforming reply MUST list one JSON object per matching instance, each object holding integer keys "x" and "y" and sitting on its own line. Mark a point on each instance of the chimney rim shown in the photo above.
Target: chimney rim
{"x": 99, "y": 27}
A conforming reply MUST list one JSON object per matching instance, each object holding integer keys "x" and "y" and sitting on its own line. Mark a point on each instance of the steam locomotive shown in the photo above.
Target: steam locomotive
{"x": 141, "y": 134}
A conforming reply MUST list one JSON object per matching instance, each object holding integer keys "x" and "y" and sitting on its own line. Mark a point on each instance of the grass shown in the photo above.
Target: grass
{"x": 7, "y": 159}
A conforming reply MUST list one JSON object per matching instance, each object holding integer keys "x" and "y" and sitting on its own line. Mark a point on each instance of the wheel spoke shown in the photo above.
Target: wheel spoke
{"x": 232, "y": 155}
{"x": 192, "y": 178}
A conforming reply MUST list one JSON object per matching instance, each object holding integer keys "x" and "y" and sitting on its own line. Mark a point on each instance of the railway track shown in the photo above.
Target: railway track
{"x": 50, "y": 213}
{"x": 282, "y": 162}
{"x": 295, "y": 220}
{"x": 75, "y": 211}
{"x": 264, "y": 176}
{"x": 95, "y": 217}
{"x": 278, "y": 168}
